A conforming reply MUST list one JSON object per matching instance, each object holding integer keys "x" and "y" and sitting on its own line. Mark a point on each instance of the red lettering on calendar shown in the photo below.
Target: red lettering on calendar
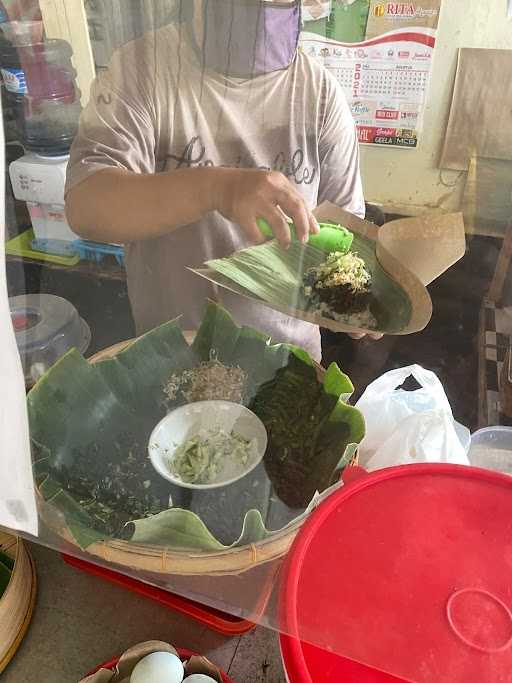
{"x": 401, "y": 9}
{"x": 384, "y": 114}
{"x": 365, "y": 133}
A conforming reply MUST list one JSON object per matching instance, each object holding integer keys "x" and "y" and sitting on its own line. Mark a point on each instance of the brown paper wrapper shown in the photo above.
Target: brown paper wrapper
{"x": 479, "y": 122}
{"x": 127, "y": 662}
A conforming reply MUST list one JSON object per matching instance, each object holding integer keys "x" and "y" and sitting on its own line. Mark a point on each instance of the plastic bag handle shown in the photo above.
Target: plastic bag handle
{"x": 428, "y": 380}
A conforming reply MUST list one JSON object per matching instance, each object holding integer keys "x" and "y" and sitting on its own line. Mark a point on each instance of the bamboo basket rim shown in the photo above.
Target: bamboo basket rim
{"x": 27, "y": 617}
{"x": 163, "y": 560}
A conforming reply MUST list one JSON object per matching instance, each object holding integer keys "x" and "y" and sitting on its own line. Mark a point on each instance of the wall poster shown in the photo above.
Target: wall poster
{"x": 381, "y": 53}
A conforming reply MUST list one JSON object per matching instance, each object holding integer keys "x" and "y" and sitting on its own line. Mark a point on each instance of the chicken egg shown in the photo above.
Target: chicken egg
{"x": 158, "y": 667}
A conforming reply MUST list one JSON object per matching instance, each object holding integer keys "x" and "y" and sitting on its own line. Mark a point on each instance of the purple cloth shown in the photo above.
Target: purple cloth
{"x": 247, "y": 38}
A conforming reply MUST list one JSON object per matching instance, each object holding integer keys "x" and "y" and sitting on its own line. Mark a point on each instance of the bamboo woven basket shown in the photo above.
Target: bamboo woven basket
{"x": 159, "y": 560}
{"x": 17, "y": 602}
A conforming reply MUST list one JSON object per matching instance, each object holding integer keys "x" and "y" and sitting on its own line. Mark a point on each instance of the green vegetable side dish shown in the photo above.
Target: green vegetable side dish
{"x": 330, "y": 238}
{"x": 203, "y": 458}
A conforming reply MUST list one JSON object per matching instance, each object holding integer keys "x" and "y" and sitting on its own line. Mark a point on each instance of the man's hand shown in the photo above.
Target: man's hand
{"x": 244, "y": 195}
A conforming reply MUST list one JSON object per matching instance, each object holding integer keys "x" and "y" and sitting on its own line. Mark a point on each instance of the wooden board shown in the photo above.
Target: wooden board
{"x": 66, "y": 19}
{"x": 487, "y": 199}
{"x": 480, "y": 117}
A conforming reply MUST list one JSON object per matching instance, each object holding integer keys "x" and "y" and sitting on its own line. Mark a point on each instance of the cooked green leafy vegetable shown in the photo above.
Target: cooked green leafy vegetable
{"x": 203, "y": 458}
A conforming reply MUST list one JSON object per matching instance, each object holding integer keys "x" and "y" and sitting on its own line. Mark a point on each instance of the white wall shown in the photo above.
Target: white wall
{"x": 408, "y": 181}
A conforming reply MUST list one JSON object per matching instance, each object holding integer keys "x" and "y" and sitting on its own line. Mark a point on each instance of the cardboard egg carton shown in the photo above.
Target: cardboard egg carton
{"x": 126, "y": 664}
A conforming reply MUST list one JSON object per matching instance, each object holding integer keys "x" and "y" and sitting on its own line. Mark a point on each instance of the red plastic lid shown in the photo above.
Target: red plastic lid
{"x": 409, "y": 572}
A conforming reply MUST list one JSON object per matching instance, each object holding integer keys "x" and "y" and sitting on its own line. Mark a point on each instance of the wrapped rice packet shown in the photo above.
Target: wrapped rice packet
{"x": 403, "y": 257}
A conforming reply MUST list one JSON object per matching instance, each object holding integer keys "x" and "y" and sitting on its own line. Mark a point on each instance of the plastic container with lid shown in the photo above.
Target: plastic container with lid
{"x": 491, "y": 448}
{"x": 46, "y": 327}
{"x": 403, "y": 575}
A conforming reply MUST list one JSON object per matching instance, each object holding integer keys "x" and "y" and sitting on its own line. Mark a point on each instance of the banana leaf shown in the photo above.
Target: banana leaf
{"x": 269, "y": 273}
{"x": 90, "y": 425}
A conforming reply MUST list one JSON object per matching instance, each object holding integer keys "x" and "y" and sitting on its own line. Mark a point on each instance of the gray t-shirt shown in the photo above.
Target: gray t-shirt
{"x": 156, "y": 109}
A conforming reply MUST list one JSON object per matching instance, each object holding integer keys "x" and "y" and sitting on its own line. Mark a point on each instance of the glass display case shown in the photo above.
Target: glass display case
{"x": 283, "y": 231}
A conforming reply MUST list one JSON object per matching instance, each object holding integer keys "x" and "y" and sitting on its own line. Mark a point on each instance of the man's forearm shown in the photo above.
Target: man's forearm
{"x": 114, "y": 205}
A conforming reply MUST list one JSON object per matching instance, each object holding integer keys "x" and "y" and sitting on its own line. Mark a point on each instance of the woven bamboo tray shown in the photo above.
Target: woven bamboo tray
{"x": 17, "y": 603}
{"x": 159, "y": 560}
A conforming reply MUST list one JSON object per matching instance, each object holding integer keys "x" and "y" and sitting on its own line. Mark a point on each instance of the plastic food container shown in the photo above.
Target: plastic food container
{"x": 46, "y": 327}
{"x": 403, "y": 574}
{"x": 491, "y": 448}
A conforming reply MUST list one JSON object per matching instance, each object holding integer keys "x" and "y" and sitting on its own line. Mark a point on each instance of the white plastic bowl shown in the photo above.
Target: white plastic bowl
{"x": 187, "y": 421}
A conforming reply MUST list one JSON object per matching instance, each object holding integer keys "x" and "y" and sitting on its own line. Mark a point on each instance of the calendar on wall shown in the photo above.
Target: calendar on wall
{"x": 385, "y": 77}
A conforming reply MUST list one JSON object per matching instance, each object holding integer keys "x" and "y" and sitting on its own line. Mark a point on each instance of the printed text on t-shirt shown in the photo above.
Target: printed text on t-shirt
{"x": 194, "y": 154}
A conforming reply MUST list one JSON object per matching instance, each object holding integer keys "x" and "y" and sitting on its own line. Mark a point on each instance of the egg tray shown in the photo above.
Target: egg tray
{"x": 120, "y": 669}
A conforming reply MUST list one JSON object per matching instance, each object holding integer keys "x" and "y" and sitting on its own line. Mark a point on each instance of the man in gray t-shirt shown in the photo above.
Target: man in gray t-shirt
{"x": 194, "y": 132}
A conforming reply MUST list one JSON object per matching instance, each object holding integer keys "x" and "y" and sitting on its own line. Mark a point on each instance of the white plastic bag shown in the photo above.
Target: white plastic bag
{"x": 404, "y": 427}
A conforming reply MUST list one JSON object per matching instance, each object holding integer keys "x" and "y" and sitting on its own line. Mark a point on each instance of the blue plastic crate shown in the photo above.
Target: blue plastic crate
{"x": 96, "y": 251}
{"x": 56, "y": 247}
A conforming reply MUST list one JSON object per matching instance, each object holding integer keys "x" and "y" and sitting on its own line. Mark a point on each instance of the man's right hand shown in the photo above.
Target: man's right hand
{"x": 244, "y": 195}
{"x": 129, "y": 206}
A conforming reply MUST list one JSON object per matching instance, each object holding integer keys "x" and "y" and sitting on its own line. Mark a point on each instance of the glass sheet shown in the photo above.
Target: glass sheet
{"x": 203, "y": 120}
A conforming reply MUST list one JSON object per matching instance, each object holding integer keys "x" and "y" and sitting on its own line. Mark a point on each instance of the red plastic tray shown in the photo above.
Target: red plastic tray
{"x": 184, "y": 654}
{"x": 216, "y": 620}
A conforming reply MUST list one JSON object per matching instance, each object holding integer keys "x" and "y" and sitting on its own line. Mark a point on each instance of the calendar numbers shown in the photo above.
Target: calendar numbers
{"x": 409, "y": 85}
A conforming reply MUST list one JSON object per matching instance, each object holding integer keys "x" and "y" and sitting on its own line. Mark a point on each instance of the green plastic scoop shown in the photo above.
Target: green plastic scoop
{"x": 330, "y": 238}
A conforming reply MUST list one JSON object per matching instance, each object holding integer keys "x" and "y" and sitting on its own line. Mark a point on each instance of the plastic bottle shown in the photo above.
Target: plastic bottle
{"x": 40, "y": 80}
